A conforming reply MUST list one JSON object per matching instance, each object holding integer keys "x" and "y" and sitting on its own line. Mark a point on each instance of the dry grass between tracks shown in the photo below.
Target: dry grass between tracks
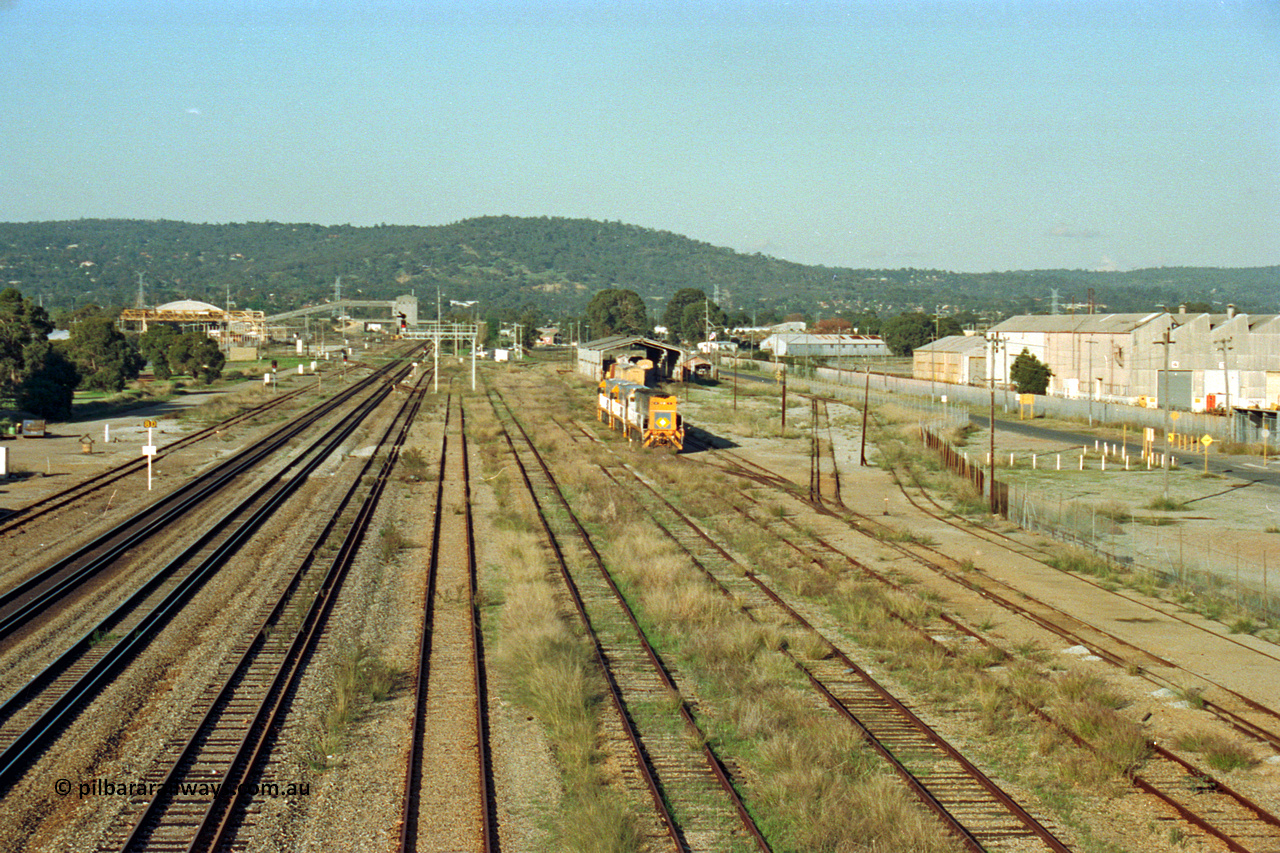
{"x": 1219, "y": 752}
{"x": 545, "y": 666}
{"x": 994, "y": 689}
{"x": 812, "y": 783}
{"x": 361, "y": 678}
{"x": 549, "y": 670}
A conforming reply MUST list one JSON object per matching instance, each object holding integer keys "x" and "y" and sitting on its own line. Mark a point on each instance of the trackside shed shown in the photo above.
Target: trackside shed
{"x": 595, "y": 357}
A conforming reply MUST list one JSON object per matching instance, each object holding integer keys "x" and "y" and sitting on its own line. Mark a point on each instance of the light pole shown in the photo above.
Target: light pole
{"x": 1091, "y": 342}
{"x": 1166, "y": 342}
{"x": 1224, "y": 347}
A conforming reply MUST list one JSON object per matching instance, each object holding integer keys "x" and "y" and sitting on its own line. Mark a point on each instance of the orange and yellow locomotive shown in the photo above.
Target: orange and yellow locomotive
{"x": 642, "y": 413}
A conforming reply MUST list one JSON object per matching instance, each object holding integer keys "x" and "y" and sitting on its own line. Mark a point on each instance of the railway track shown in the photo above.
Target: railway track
{"x": 967, "y": 803}
{"x": 664, "y": 767}
{"x": 1193, "y": 793}
{"x": 21, "y": 603}
{"x": 34, "y": 716}
{"x": 22, "y": 516}
{"x": 448, "y": 803}
{"x": 59, "y": 500}
{"x": 1203, "y": 801}
{"x": 1248, "y": 716}
{"x": 205, "y": 792}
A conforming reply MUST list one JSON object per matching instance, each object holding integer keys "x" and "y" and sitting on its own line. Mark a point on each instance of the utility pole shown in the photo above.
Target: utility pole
{"x": 1166, "y": 342}
{"x": 991, "y": 466}
{"x": 995, "y": 352}
{"x": 1224, "y": 346}
{"x": 1091, "y": 342}
{"x": 866, "y": 404}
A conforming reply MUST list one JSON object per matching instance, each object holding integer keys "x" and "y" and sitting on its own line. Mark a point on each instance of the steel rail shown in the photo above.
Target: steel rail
{"x": 716, "y": 765}
{"x": 215, "y": 835}
{"x": 26, "y": 746}
{"x": 413, "y": 765}
{"x": 220, "y": 813}
{"x": 22, "y": 515}
{"x": 1139, "y": 780}
{"x": 1244, "y": 726}
{"x": 26, "y": 599}
{"x": 1192, "y": 817}
{"x": 610, "y": 679}
{"x": 488, "y": 794}
{"x": 25, "y": 514}
{"x": 409, "y": 827}
{"x": 933, "y": 801}
{"x": 146, "y": 589}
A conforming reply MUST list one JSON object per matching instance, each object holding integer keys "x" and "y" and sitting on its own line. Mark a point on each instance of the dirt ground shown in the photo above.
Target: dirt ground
{"x": 1227, "y": 517}
{"x": 42, "y": 466}
{"x": 1220, "y": 512}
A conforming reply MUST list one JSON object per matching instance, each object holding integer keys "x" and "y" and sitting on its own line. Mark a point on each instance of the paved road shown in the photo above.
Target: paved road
{"x": 1247, "y": 468}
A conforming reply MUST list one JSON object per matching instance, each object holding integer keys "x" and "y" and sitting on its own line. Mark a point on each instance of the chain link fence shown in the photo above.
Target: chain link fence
{"x": 1208, "y": 562}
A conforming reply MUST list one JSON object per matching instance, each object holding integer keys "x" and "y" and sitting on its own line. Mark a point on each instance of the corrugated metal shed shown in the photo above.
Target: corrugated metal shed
{"x": 958, "y": 359}
{"x": 1103, "y": 324}
{"x": 594, "y": 357}
{"x": 956, "y": 343}
{"x": 801, "y": 344}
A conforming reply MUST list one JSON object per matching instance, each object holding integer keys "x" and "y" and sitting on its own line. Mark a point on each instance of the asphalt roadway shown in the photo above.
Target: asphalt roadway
{"x": 1247, "y": 468}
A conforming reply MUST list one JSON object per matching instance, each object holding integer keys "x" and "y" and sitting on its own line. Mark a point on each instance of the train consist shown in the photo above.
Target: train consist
{"x": 641, "y": 413}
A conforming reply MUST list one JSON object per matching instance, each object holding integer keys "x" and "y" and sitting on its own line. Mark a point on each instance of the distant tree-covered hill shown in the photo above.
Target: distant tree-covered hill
{"x": 555, "y": 265}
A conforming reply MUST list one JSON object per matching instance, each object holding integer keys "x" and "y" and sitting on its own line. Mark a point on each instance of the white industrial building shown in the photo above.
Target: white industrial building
{"x": 824, "y": 346}
{"x": 1213, "y": 360}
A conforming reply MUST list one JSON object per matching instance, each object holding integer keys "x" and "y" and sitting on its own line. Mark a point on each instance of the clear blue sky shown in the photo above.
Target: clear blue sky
{"x": 969, "y": 135}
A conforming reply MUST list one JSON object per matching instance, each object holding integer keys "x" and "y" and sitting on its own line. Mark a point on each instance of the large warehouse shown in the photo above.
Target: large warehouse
{"x": 824, "y": 346}
{"x": 1214, "y": 360}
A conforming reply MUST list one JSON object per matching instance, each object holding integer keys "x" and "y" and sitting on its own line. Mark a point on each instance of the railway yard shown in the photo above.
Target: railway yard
{"x": 402, "y": 614}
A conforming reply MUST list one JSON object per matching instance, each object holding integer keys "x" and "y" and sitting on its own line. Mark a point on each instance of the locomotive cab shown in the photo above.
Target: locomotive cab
{"x": 641, "y": 413}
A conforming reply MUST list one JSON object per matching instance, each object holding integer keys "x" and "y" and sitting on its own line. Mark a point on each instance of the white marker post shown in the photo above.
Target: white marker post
{"x": 149, "y": 450}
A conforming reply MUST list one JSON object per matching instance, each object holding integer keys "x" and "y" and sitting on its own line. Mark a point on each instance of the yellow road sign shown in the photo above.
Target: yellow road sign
{"x": 1206, "y": 440}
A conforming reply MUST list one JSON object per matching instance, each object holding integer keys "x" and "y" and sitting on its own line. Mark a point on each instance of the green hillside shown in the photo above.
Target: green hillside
{"x": 509, "y": 263}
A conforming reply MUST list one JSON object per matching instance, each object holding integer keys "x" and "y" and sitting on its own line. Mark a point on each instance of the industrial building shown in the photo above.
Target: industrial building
{"x": 595, "y": 357}
{"x": 231, "y": 327}
{"x": 824, "y": 346}
{"x": 957, "y": 359}
{"x": 1213, "y": 361}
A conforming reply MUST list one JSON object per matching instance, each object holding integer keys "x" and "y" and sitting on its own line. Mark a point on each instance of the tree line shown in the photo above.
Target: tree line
{"x": 554, "y": 265}
{"x": 691, "y": 316}
{"x": 40, "y": 377}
